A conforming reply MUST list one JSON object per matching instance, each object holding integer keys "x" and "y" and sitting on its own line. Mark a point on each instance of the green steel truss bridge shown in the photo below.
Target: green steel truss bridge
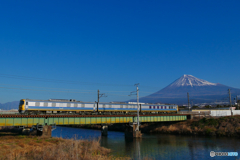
{"x": 31, "y": 120}
{"x": 44, "y": 124}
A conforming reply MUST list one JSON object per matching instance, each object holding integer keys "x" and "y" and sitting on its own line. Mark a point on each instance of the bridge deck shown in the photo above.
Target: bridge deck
{"x": 29, "y": 120}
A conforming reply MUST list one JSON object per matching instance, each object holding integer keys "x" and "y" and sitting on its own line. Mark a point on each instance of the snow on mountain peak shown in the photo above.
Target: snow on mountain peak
{"x": 189, "y": 80}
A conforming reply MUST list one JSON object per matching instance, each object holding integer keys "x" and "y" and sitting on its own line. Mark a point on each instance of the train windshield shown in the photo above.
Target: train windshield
{"x": 21, "y": 103}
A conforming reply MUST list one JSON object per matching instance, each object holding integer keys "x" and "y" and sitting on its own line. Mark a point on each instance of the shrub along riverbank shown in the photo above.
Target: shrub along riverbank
{"x": 223, "y": 126}
{"x": 19, "y": 147}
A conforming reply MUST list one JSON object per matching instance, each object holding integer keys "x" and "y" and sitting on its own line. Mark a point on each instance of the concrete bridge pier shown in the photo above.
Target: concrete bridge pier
{"x": 25, "y": 131}
{"x": 104, "y": 130}
{"x": 45, "y": 132}
{"x": 130, "y": 131}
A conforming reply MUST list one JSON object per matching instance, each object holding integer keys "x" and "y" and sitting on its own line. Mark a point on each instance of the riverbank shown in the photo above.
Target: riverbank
{"x": 224, "y": 126}
{"x": 20, "y": 147}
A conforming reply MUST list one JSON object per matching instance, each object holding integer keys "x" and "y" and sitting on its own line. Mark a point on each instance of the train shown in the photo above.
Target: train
{"x": 56, "y": 106}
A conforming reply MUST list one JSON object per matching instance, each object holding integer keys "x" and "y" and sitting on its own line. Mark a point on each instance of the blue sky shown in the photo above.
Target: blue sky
{"x": 72, "y": 48}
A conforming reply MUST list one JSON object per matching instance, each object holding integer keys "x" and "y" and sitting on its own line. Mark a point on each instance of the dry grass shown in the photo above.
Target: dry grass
{"x": 223, "y": 126}
{"x": 36, "y": 148}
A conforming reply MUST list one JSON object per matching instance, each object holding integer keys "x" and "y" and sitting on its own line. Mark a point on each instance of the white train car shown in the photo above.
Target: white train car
{"x": 159, "y": 108}
{"x": 55, "y": 106}
{"x": 73, "y": 106}
{"x": 116, "y": 107}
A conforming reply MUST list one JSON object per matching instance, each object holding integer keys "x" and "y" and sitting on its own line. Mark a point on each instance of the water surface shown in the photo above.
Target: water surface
{"x": 156, "y": 146}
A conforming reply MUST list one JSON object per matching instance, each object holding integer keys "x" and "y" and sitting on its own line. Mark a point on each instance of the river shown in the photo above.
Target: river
{"x": 154, "y": 146}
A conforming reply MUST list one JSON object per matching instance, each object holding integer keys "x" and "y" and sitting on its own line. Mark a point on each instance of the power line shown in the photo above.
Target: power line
{"x": 56, "y": 80}
{"x": 27, "y": 89}
{"x": 41, "y": 87}
{"x": 85, "y": 92}
{"x": 62, "y": 81}
{"x": 73, "y": 90}
{"x": 54, "y": 88}
{"x": 43, "y": 90}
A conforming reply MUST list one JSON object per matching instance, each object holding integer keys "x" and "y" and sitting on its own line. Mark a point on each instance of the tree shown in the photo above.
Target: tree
{"x": 193, "y": 107}
{"x": 207, "y": 106}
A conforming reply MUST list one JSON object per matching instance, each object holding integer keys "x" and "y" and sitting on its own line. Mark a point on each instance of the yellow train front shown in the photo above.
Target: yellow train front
{"x": 72, "y": 106}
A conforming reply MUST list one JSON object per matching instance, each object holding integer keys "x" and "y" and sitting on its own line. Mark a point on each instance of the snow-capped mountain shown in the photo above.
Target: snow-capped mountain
{"x": 200, "y": 91}
{"x": 189, "y": 80}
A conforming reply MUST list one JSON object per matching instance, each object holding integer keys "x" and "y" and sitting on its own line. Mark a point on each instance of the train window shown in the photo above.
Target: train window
{"x": 103, "y": 105}
{"x": 121, "y": 106}
{"x": 68, "y": 104}
{"x": 21, "y": 103}
{"x": 37, "y": 104}
{"x": 26, "y": 103}
{"x": 53, "y": 104}
{"x": 164, "y": 107}
{"x": 83, "y": 105}
{"x": 75, "y": 104}
{"x": 150, "y": 107}
{"x": 157, "y": 107}
{"x": 110, "y": 106}
{"x": 153, "y": 107}
{"x": 45, "y": 104}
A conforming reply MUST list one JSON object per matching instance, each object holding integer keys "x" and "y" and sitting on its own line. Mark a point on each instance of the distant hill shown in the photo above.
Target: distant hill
{"x": 9, "y": 105}
{"x": 200, "y": 91}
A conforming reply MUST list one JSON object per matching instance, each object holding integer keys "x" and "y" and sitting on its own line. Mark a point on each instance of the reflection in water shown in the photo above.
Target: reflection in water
{"x": 133, "y": 147}
{"x": 156, "y": 146}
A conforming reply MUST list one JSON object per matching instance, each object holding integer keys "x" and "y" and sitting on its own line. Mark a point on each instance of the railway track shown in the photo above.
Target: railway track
{"x": 52, "y": 116}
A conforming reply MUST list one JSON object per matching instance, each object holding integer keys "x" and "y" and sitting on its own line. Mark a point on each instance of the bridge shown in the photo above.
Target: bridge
{"x": 44, "y": 123}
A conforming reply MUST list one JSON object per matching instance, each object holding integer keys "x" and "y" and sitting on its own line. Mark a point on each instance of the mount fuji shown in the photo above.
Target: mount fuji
{"x": 200, "y": 91}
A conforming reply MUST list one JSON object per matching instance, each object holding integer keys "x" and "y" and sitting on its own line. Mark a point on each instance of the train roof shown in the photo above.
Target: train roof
{"x": 73, "y": 100}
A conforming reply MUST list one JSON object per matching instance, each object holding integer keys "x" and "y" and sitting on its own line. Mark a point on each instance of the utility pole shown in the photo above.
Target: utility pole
{"x": 99, "y": 96}
{"x": 137, "y": 93}
{"x": 137, "y": 107}
{"x": 237, "y": 102}
{"x": 188, "y": 102}
{"x": 230, "y": 101}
